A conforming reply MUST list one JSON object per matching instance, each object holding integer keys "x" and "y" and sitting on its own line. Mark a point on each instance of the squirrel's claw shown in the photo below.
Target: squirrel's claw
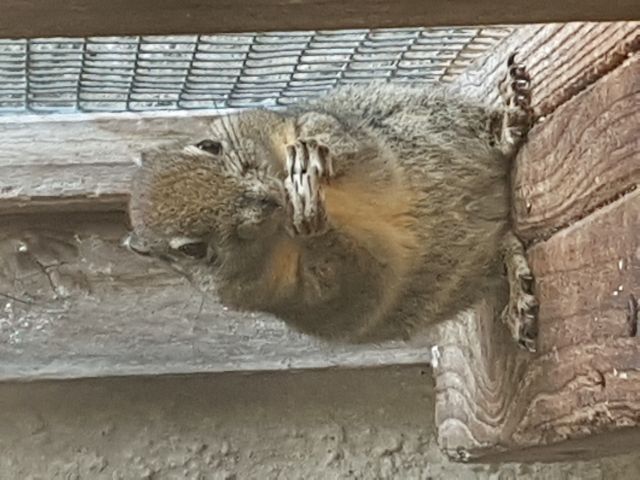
{"x": 308, "y": 163}
{"x": 515, "y": 90}
{"x": 520, "y": 313}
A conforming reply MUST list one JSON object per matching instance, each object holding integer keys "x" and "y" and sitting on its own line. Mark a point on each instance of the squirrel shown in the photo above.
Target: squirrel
{"x": 360, "y": 216}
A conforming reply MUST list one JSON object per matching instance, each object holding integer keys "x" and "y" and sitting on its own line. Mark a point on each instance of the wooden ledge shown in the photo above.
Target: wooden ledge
{"x": 80, "y": 18}
{"x": 74, "y": 303}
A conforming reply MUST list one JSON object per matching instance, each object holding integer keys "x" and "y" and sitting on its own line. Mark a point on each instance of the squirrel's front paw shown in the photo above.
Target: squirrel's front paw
{"x": 308, "y": 163}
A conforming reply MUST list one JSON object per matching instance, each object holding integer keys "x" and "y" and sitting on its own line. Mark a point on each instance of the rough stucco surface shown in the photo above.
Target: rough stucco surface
{"x": 374, "y": 424}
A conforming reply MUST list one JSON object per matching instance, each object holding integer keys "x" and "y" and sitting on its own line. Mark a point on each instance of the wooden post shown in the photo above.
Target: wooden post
{"x": 576, "y": 201}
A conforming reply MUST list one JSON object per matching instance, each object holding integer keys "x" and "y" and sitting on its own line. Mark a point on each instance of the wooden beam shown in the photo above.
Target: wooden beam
{"x": 496, "y": 404}
{"x": 73, "y": 303}
{"x": 583, "y": 156}
{"x": 585, "y": 274}
{"x": 477, "y": 369}
{"x": 84, "y": 163}
{"x": 580, "y": 394}
{"x": 77, "y": 18}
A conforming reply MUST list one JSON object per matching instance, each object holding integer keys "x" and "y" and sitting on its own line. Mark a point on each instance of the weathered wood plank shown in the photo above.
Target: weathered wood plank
{"x": 496, "y": 404}
{"x": 577, "y": 398}
{"x": 73, "y": 303}
{"x": 477, "y": 369}
{"x": 585, "y": 274}
{"x": 562, "y": 59}
{"x": 579, "y": 391}
{"x": 68, "y": 18}
{"x": 584, "y": 155}
{"x": 579, "y": 395}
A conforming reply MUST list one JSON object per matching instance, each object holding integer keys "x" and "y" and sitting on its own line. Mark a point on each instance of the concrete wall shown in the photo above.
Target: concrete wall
{"x": 374, "y": 424}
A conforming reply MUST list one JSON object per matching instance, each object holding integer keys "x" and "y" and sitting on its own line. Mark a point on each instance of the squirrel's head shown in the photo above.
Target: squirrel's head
{"x": 198, "y": 197}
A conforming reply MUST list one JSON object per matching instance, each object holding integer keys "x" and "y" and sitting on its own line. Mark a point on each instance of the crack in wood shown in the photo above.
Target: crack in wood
{"x": 16, "y": 299}
{"x": 632, "y": 315}
{"x": 548, "y": 234}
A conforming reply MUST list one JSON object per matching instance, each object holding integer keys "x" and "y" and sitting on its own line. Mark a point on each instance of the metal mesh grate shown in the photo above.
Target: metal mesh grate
{"x": 223, "y": 71}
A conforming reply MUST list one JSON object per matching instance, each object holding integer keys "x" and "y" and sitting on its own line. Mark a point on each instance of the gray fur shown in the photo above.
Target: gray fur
{"x": 439, "y": 151}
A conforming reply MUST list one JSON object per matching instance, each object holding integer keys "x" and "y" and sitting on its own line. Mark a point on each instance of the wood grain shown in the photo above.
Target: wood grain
{"x": 585, "y": 274}
{"x": 477, "y": 369}
{"x": 73, "y": 303}
{"x": 494, "y": 403}
{"x": 583, "y": 156}
{"x": 562, "y": 59}
{"x": 77, "y": 18}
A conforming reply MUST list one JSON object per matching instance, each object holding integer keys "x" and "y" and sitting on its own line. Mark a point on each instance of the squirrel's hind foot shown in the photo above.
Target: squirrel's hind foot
{"x": 520, "y": 314}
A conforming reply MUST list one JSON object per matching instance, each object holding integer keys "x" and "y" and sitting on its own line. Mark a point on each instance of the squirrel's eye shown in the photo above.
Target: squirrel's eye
{"x": 194, "y": 250}
{"x": 210, "y": 146}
